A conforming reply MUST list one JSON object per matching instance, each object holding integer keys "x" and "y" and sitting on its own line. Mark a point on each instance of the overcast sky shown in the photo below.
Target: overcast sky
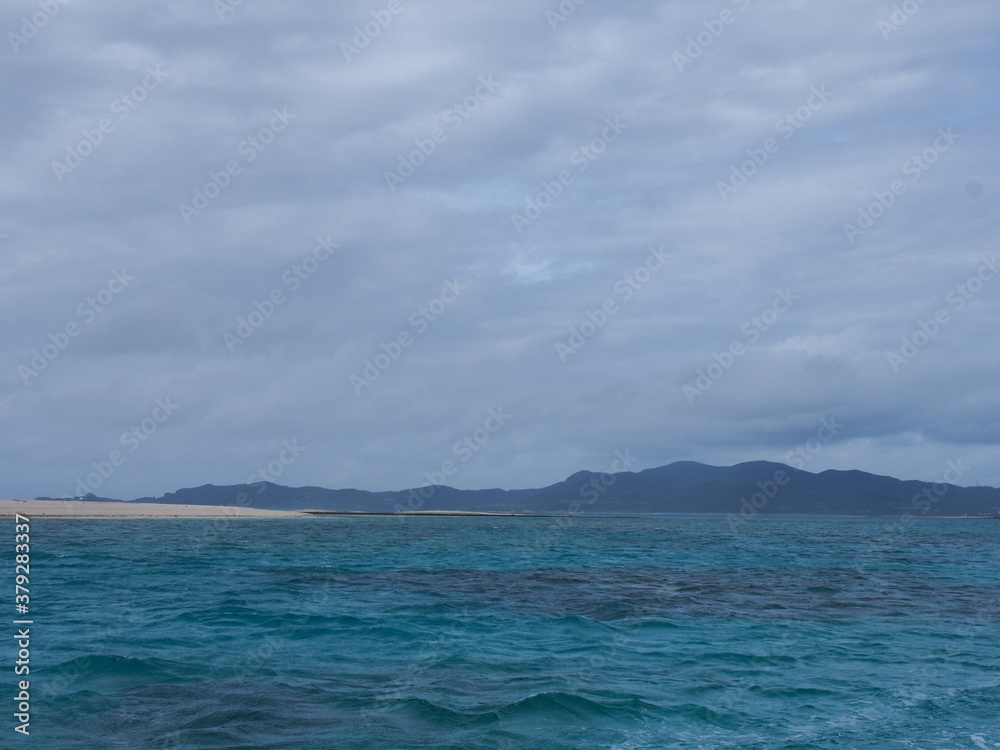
{"x": 741, "y": 207}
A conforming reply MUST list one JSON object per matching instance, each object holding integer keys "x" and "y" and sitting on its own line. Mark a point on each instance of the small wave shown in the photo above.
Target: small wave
{"x": 431, "y": 713}
{"x": 550, "y": 706}
{"x": 554, "y": 705}
{"x": 583, "y": 622}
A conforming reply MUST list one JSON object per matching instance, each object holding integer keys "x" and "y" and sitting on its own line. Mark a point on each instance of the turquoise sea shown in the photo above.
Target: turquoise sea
{"x": 432, "y": 632}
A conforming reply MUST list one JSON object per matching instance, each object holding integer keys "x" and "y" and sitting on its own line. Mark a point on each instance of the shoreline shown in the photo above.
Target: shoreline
{"x": 69, "y": 509}
{"x": 85, "y": 509}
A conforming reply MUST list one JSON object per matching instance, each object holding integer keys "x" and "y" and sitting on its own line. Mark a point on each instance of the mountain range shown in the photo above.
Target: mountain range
{"x": 746, "y": 489}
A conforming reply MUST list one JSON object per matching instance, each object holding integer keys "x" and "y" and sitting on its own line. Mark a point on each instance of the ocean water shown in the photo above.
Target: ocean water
{"x": 626, "y": 633}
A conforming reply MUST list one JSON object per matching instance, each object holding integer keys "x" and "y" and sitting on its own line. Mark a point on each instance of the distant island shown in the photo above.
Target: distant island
{"x": 744, "y": 490}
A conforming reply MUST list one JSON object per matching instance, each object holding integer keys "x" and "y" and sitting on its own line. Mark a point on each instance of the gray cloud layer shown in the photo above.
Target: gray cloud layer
{"x": 483, "y": 113}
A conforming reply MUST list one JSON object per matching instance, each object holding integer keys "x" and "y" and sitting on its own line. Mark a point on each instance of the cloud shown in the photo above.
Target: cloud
{"x": 323, "y": 174}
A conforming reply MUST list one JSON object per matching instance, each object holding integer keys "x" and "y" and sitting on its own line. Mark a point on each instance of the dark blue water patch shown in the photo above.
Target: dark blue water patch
{"x": 648, "y": 592}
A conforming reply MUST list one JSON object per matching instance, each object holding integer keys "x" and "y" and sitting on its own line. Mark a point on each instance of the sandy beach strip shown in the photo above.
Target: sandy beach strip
{"x": 84, "y": 509}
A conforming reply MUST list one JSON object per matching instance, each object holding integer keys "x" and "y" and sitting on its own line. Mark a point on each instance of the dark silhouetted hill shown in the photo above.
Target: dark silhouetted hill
{"x": 682, "y": 487}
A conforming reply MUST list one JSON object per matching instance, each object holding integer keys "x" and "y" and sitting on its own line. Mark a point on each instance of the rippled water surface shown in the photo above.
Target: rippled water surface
{"x": 388, "y": 632}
